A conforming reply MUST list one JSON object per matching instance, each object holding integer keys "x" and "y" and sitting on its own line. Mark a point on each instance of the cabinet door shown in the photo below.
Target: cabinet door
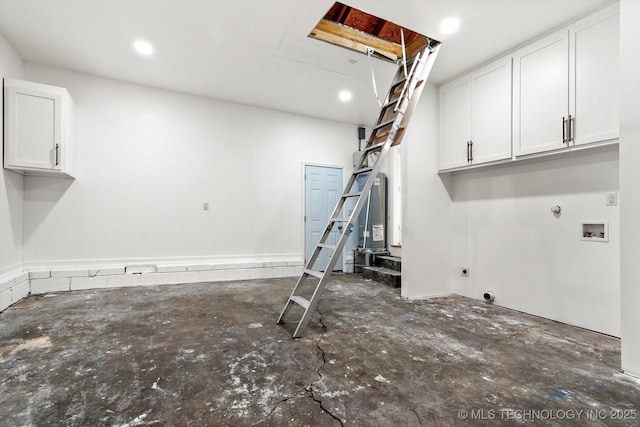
{"x": 540, "y": 96}
{"x": 491, "y": 112}
{"x": 595, "y": 96}
{"x": 454, "y": 123}
{"x": 34, "y": 128}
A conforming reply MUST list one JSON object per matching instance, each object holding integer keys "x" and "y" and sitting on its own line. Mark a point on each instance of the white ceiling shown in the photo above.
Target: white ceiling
{"x": 257, "y": 51}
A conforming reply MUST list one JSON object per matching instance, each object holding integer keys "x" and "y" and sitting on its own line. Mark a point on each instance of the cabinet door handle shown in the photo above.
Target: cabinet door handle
{"x": 468, "y": 154}
{"x": 471, "y": 150}
{"x": 564, "y": 130}
{"x": 570, "y": 126}
{"x": 57, "y": 154}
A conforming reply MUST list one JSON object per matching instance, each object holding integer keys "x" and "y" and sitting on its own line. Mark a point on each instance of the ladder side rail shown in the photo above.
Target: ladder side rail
{"x": 421, "y": 76}
{"x": 398, "y": 77}
{"x": 413, "y": 84}
{"x": 325, "y": 235}
{"x": 336, "y": 211}
{"x": 408, "y": 82}
{"x": 338, "y": 208}
{"x": 289, "y": 303}
{"x": 366, "y": 190}
{"x": 315, "y": 298}
{"x": 388, "y": 103}
{"x": 400, "y": 118}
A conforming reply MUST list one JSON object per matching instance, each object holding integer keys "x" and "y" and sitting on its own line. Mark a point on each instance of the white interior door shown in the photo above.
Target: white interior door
{"x": 323, "y": 188}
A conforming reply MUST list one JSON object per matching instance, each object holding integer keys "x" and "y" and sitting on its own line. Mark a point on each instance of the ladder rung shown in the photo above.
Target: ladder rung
{"x": 300, "y": 301}
{"x": 363, "y": 170}
{"x": 374, "y": 147}
{"x": 390, "y": 103}
{"x": 314, "y": 273}
{"x": 385, "y": 124}
{"x": 327, "y": 246}
{"x": 339, "y": 220}
{"x": 398, "y": 83}
{"x": 357, "y": 194}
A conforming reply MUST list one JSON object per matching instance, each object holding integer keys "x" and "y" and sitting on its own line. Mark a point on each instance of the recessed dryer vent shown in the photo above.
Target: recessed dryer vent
{"x": 354, "y": 29}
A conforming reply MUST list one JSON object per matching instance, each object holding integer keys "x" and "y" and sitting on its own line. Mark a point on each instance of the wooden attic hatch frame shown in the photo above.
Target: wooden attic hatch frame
{"x": 354, "y": 29}
{"x": 414, "y": 54}
{"x": 359, "y": 31}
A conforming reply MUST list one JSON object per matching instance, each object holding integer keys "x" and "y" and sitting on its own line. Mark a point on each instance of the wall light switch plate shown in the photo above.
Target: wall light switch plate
{"x": 612, "y": 199}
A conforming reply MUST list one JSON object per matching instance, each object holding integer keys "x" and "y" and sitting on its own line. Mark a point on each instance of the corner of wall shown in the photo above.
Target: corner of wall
{"x": 14, "y": 283}
{"x": 629, "y": 184}
{"x": 426, "y": 210}
{"x": 13, "y": 288}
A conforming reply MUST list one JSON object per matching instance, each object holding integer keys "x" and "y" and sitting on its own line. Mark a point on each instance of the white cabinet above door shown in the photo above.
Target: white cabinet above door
{"x": 38, "y": 129}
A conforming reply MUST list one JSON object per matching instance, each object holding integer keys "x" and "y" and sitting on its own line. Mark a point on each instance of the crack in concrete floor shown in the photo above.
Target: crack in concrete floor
{"x": 321, "y": 377}
{"x": 309, "y": 389}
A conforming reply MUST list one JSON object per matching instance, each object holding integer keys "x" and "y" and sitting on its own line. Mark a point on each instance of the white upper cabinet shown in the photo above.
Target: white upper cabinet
{"x": 475, "y": 117}
{"x": 594, "y": 77}
{"x": 455, "y": 123}
{"x": 38, "y": 129}
{"x": 491, "y": 112}
{"x": 540, "y": 96}
{"x": 566, "y": 86}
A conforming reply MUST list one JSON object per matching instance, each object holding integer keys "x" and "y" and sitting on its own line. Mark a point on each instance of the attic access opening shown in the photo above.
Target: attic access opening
{"x": 354, "y": 29}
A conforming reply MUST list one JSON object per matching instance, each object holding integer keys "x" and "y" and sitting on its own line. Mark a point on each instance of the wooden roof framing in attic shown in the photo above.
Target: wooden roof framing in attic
{"x": 354, "y": 29}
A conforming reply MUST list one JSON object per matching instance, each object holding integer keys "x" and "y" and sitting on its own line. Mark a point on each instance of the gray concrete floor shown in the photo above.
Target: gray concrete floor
{"x": 211, "y": 354}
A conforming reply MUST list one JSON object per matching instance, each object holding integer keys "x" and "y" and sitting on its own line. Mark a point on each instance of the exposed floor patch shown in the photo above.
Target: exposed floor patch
{"x": 29, "y": 344}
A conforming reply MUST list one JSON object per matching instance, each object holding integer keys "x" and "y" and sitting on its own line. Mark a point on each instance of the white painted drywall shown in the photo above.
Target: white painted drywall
{"x": 426, "y": 210}
{"x": 630, "y": 183}
{"x": 533, "y": 260}
{"x": 147, "y": 159}
{"x": 11, "y": 183}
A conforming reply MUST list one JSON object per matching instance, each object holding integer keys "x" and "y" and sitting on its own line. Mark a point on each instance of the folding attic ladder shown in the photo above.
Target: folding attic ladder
{"x": 388, "y": 131}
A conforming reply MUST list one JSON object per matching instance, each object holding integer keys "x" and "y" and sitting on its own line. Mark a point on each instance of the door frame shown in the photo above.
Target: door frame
{"x": 304, "y": 203}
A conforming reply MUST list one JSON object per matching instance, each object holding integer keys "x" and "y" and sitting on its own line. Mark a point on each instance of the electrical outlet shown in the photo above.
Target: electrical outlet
{"x": 464, "y": 271}
{"x": 205, "y": 206}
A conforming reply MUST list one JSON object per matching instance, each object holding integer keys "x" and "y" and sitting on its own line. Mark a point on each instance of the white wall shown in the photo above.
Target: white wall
{"x": 14, "y": 283}
{"x": 11, "y": 184}
{"x": 533, "y": 260}
{"x": 147, "y": 159}
{"x": 426, "y": 210}
{"x": 630, "y": 182}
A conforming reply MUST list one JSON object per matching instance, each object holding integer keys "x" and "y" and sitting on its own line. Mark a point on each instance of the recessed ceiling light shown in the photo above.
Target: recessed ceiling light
{"x": 449, "y": 25}
{"x": 345, "y": 96}
{"x": 143, "y": 47}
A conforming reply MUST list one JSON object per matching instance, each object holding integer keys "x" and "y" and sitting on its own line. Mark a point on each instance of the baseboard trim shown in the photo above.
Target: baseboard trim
{"x": 9, "y": 271}
{"x": 443, "y": 295}
{"x": 91, "y": 275}
{"x": 13, "y": 287}
{"x": 71, "y": 264}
